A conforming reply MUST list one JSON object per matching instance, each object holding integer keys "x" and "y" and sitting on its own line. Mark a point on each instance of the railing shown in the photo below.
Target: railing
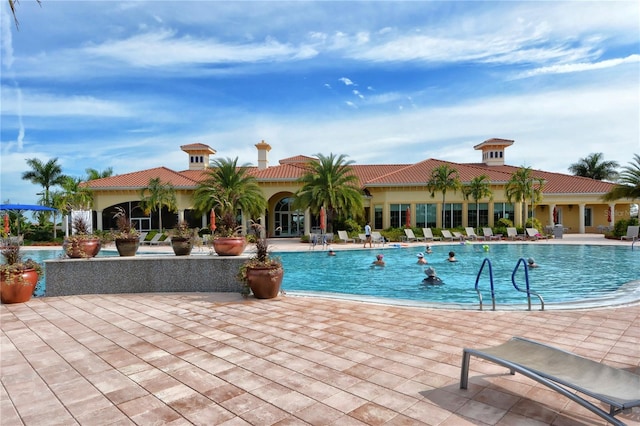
{"x": 526, "y": 278}
{"x": 493, "y": 295}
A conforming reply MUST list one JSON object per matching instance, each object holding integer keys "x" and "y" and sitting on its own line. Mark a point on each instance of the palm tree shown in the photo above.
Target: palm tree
{"x": 330, "y": 183}
{"x": 594, "y": 167}
{"x": 478, "y": 188}
{"x": 72, "y": 197}
{"x": 12, "y": 6}
{"x": 45, "y": 174}
{"x": 628, "y": 185}
{"x": 227, "y": 189}
{"x": 156, "y": 196}
{"x": 442, "y": 179}
{"x": 522, "y": 188}
{"x": 93, "y": 174}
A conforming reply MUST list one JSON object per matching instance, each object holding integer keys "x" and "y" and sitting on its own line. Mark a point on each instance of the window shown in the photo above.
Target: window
{"x": 502, "y": 210}
{"x": 452, "y": 215}
{"x": 588, "y": 216}
{"x": 483, "y": 210}
{"x": 377, "y": 217}
{"x": 426, "y": 215}
{"x": 398, "y": 214}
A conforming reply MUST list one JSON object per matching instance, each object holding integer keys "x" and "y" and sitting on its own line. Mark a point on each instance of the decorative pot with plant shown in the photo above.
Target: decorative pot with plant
{"x": 82, "y": 244}
{"x": 127, "y": 238}
{"x": 18, "y": 277}
{"x": 262, "y": 273}
{"x": 182, "y": 239}
{"x": 228, "y": 190}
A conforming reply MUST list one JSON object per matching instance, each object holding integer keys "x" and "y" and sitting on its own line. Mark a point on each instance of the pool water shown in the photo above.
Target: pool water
{"x": 566, "y": 273}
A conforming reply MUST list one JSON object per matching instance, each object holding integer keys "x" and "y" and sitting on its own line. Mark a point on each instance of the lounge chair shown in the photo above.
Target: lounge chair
{"x": 345, "y": 237}
{"x": 428, "y": 235}
{"x": 534, "y": 234}
{"x": 512, "y": 234}
{"x": 154, "y": 240}
{"x": 446, "y": 234}
{"x": 458, "y": 235}
{"x": 410, "y": 236}
{"x": 487, "y": 234}
{"x": 632, "y": 233}
{"x": 471, "y": 233}
{"x": 142, "y": 236}
{"x": 362, "y": 238}
{"x": 563, "y": 371}
{"x": 377, "y": 238}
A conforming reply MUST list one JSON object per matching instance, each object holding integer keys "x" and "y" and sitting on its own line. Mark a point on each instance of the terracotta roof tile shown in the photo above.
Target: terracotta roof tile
{"x": 292, "y": 168}
{"x": 141, "y": 179}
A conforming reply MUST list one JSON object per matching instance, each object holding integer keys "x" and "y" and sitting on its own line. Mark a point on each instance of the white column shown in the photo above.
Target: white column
{"x": 581, "y": 217}
{"x": 99, "y": 220}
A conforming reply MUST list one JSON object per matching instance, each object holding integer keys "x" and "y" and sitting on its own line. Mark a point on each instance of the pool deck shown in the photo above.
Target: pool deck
{"x": 216, "y": 358}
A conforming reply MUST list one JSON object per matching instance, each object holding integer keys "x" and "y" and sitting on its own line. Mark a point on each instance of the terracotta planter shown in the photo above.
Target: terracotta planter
{"x": 18, "y": 288}
{"x": 229, "y": 246}
{"x": 127, "y": 246}
{"x": 82, "y": 248}
{"x": 265, "y": 282}
{"x": 181, "y": 246}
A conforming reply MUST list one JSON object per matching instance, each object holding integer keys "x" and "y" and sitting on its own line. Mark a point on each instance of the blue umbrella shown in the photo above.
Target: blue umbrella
{"x": 22, "y": 207}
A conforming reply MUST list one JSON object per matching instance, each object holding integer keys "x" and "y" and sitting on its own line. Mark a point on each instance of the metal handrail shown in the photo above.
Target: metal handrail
{"x": 493, "y": 294}
{"x": 526, "y": 278}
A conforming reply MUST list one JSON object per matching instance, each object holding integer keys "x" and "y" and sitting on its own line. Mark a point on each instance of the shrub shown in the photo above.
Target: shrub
{"x": 620, "y": 227}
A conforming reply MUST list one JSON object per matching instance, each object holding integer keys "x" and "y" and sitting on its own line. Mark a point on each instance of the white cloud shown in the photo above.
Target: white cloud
{"x": 346, "y": 81}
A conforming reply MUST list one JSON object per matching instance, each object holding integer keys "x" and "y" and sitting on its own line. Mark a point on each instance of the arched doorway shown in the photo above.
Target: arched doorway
{"x": 287, "y": 222}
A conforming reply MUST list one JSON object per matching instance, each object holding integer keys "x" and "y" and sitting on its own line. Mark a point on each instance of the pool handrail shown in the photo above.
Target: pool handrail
{"x": 526, "y": 278}
{"x": 493, "y": 294}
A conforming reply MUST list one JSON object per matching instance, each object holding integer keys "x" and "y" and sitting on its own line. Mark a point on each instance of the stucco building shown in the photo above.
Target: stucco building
{"x": 388, "y": 191}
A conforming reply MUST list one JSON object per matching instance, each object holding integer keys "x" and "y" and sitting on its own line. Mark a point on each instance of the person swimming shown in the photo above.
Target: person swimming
{"x": 452, "y": 257}
{"x": 421, "y": 259}
{"x": 432, "y": 278}
{"x": 379, "y": 261}
{"x": 532, "y": 263}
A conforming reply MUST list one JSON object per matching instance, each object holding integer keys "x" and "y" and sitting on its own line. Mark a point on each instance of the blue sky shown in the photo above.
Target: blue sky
{"x": 124, "y": 84}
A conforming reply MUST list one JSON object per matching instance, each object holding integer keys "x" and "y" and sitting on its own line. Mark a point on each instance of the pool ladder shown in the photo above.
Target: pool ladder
{"x": 513, "y": 281}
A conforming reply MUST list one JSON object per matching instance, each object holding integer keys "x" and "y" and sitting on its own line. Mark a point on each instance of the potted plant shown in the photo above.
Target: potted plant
{"x": 126, "y": 237}
{"x": 182, "y": 239}
{"x": 82, "y": 244}
{"x": 262, "y": 273}
{"x": 18, "y": 277}
{"x": 227, "y": 190}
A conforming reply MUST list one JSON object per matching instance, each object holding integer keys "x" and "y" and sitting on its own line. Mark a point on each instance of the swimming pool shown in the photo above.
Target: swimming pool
{"x": 566, "y": 273}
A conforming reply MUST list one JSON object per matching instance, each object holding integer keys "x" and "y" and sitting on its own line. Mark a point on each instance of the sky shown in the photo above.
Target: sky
{"x": 100, "y": 84}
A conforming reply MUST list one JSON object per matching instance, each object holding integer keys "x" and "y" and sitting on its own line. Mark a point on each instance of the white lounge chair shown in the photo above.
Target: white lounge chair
{"x": 154, "y": 240}
{"x": 377, "y": 238}
{"x": 487, "y": 234}
{"x": 458, "y": 235}
{"x": 428, "y": 235}
{"x": 471, "y": 233}
{"x": 632, "y": 233}
{"x": 512, "y": 234}
{"x": 565, "y": 373}
{"x": 534, "y": 234}
{"x": 410, "y": 236}
{"x": 345, "y": 237}
{"x": 142, "y": 236}
{"x": 446, "y": 234}
{"x": 362, "y": 238}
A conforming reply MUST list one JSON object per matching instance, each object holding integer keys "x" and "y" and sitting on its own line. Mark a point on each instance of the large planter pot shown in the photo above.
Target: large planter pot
{"x": 81, "y": 248}
{"x": 127, "y": 246}
{"x": 18, "y": 288}
{"x": 265, "y": 282}
{"x": 181, "y": 246}
{"x": 229, "y": 246}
